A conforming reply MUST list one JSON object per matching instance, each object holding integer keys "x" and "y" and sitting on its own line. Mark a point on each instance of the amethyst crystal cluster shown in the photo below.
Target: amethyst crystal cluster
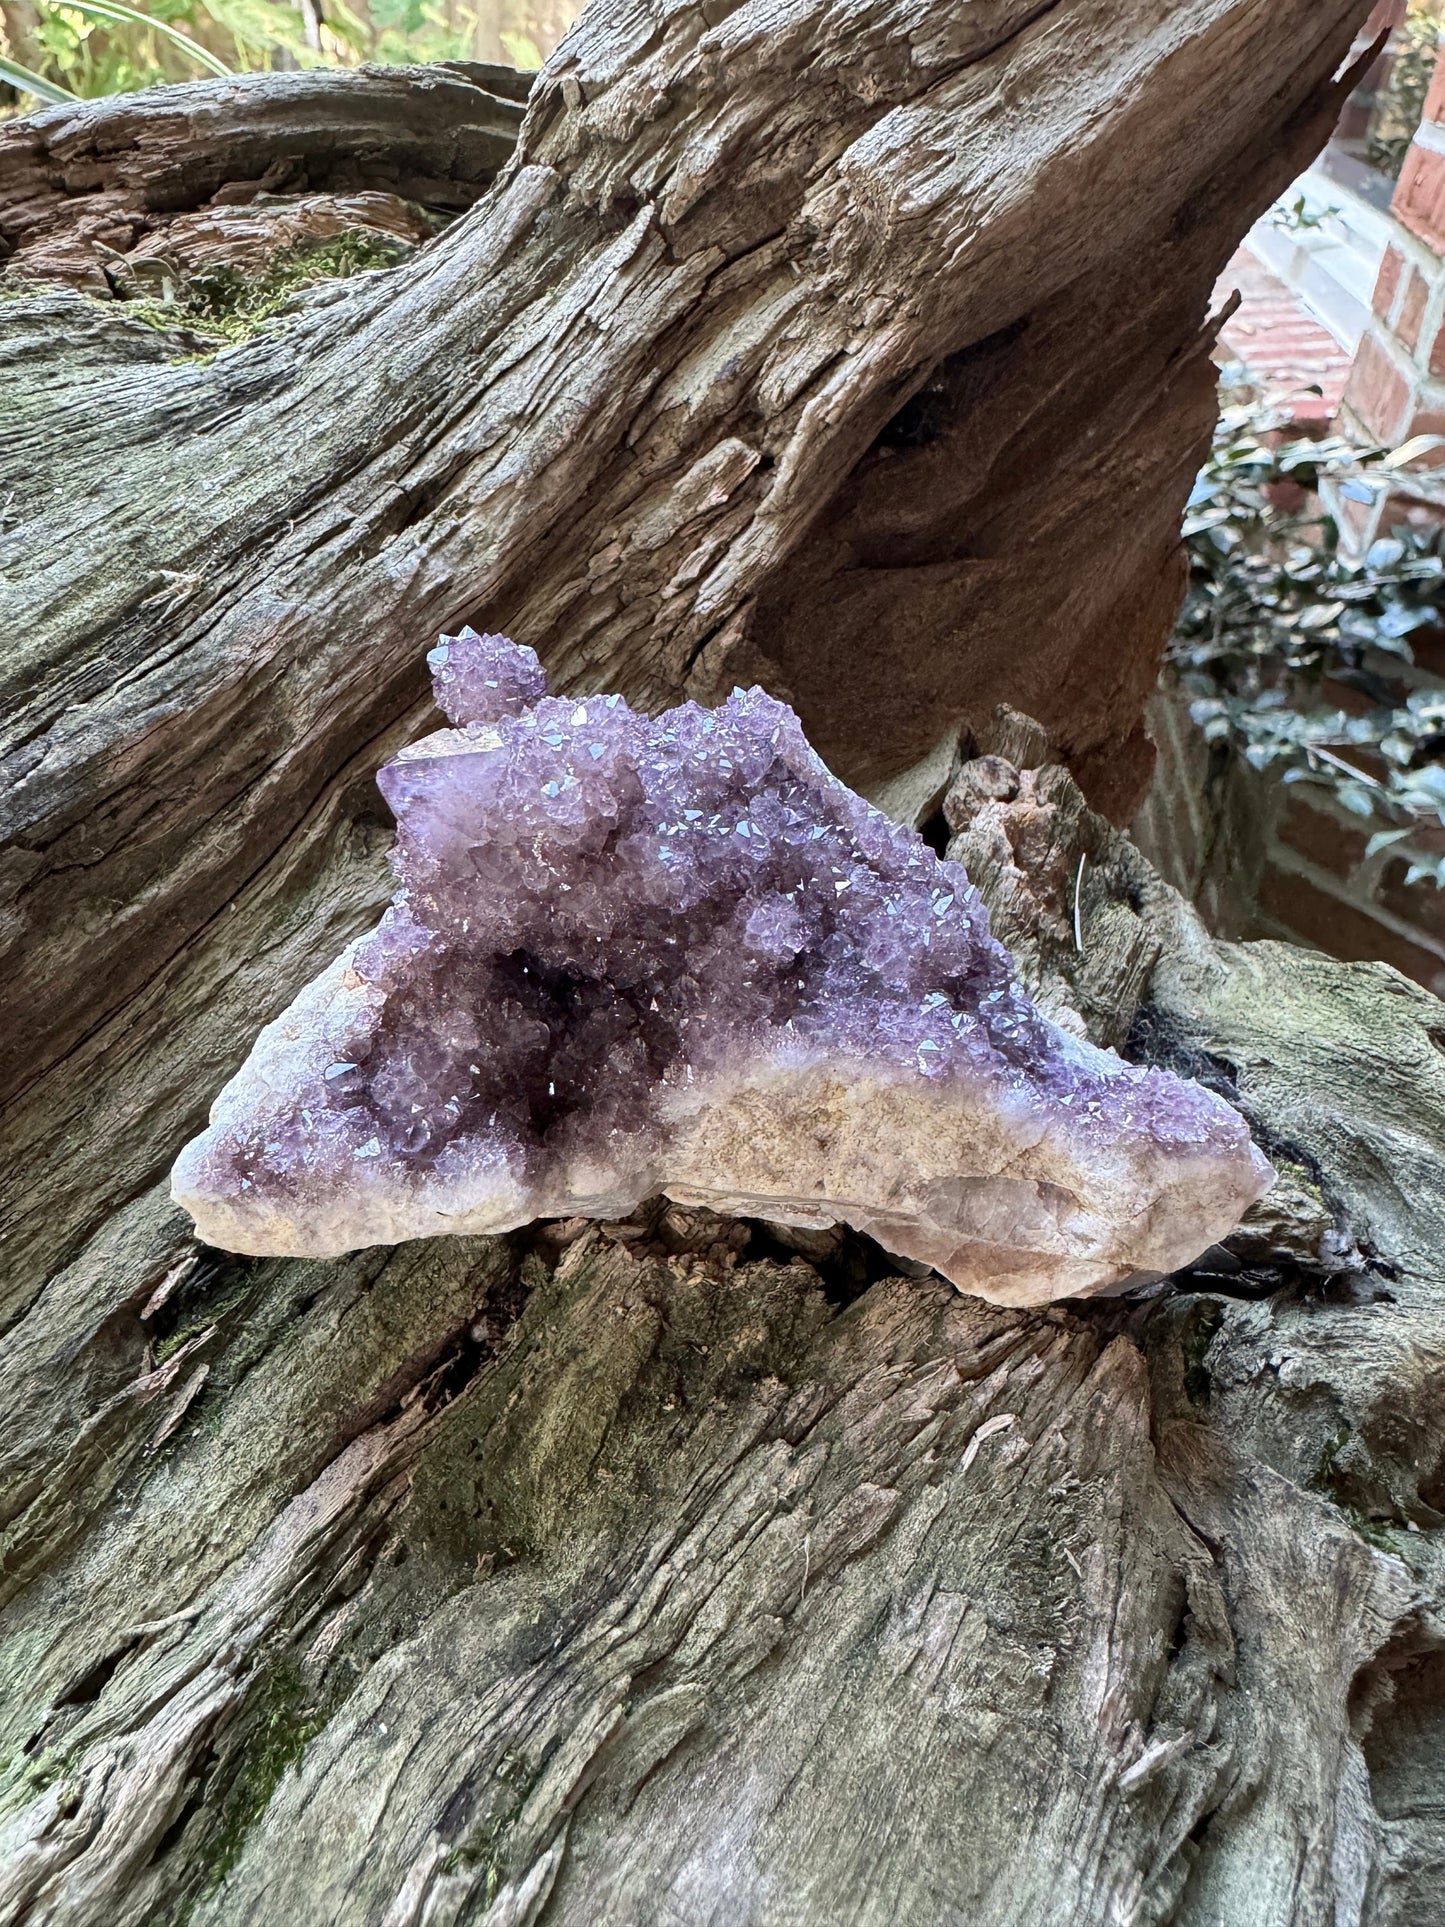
{"x": 631, "y": 955}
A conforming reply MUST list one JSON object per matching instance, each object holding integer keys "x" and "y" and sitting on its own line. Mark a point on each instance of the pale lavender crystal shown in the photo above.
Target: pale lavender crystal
{"x": 480, "y": 679}
{"x": 630, "y": 954}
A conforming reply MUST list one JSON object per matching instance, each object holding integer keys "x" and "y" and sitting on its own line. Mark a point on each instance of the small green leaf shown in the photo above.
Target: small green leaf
{"x": 1400, "y": 619}
{"x": 1319, "y": 615}
{"x": 1429, "y": 782}
{"x": 1392, "y": 646}
{"x": 1356, "y": 798}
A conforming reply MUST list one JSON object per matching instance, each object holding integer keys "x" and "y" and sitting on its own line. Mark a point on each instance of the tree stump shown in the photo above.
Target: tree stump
{"x": 685, "y": 1569}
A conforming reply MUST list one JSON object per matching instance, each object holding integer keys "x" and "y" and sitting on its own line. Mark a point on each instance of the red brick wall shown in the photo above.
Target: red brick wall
{"x": 1316, "y": 888}
{"x": 1396, "y": 389}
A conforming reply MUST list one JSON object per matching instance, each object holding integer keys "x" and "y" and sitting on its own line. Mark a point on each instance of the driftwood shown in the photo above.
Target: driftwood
{"x": 686, "y": 1570}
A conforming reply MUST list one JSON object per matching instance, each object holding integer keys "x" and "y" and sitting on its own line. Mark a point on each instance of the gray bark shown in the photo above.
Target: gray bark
{"x": 671, "y": 1571}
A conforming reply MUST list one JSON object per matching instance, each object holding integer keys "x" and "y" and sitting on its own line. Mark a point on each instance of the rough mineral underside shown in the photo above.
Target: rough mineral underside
{"x": 630, "y": 955}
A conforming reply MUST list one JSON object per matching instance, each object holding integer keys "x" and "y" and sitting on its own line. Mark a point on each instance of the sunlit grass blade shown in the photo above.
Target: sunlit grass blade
{"x": 32, "y": 83}
{"x": 132, "y": 17}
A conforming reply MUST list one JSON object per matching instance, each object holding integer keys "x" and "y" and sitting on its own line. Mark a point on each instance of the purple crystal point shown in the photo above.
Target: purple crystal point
{"x": 630, "y": 955}
{"x": 478, "y": 679}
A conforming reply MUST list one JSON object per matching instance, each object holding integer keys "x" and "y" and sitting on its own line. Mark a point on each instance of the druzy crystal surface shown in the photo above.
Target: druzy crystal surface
{"x": 632, "y": 954}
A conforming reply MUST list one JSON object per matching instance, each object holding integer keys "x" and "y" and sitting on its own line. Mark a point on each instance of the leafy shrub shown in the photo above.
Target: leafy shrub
{"x": 1275, "y": 621}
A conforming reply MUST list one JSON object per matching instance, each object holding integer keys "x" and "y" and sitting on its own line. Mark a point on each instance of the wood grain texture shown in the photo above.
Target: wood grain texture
{"x": 181, "y": 171}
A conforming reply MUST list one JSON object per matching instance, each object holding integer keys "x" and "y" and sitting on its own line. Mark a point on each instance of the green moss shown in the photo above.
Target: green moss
{"x": 1385, "y": 1535}
{"x": 24, "y": 1775}
{"x": 284, "y": 1726}
{"x": 230, "y": 306}
{"x": 487, "y": 1844}
{"x": 1327, "y": 1475}
{"x": 1355, "y": 1493}
{"x": 537, "y": 1273}
{"x": 201, "y": 1321}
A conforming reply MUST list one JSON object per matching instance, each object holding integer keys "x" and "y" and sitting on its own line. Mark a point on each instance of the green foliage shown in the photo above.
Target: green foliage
{"x": 51, "y": 49}
{"x": 522, "y": 50}
{"x": 114, "y": 14}
{"x": 24, "y": 1775}
{"x": 90, "y": 47}
{"x": 284, "y": 1726}
{"x": 1298, "y": 217}
{"x": 1274, "y": 618}
{"x": 403, "y": 28}
{"x": 25, "y": 80}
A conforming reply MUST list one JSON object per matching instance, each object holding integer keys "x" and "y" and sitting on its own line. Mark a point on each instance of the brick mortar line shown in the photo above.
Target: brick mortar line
{"x": 1424, "y": 387}
{"x": 1430, "y": 135}
{"x": 1279, "y": 856}
{"x": 1418, "y": 254}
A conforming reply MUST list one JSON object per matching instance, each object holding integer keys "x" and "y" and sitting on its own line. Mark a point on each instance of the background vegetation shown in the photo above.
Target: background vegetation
{"x": 1402, "y": 101}
{"x": 52, "y": 48}
{"x": 1306, "y": 662}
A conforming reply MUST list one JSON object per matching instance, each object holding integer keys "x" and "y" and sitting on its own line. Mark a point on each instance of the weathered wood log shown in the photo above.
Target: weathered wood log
{"x": 230, "y": 169}
{"x": 682, "y": 1570}
{"x": 905, "y": 275}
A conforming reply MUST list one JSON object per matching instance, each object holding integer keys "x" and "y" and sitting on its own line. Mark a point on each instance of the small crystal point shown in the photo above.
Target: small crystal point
{"x": 479, "y": 679}
{"x": 629, "y": 955}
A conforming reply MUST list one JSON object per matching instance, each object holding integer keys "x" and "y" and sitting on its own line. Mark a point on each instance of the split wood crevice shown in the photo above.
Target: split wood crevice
{"x": 598, "y": 1574}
